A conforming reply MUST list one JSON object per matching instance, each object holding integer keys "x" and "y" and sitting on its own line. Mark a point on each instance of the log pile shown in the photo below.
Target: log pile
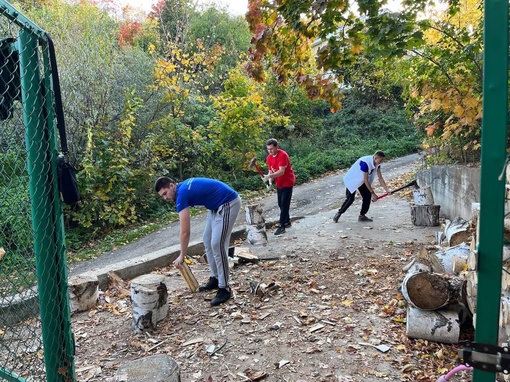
{"x": 435, "y": 289}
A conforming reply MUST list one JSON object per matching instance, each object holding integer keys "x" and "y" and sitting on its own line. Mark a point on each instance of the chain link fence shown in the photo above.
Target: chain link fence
{"x": 36, "y": 341}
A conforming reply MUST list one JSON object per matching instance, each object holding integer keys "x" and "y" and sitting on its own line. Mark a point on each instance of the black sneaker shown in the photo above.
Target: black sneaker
{"x": 279, "y": 231}
{"x": 211, "y": 284}
{"x": 337, "y": 216}
{"x": 222, "y": 296}
{"x": 288, "y": 225}
{"x": 363, "y": 218}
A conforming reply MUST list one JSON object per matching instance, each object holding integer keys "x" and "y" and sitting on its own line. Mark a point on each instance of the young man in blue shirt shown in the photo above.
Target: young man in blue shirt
{"x": 223, "y": 205}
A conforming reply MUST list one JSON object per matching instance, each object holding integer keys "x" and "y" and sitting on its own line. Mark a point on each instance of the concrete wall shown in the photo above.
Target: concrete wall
{"x": 454, "y": 188}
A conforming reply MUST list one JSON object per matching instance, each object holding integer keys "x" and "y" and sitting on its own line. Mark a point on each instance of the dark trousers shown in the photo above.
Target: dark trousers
{"x": 284, "y": 196}
{"x": 350, "y": 196}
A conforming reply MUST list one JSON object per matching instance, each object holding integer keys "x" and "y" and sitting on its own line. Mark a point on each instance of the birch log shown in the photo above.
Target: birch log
{"x": 83, "y": 292}
{"x": 423, "y": 196}
{"x": 439, "y": 325}
{"x": 456, "y": 232}
{"x": 431, "y": 291}
{"x": 255, "y": 225}
{"x": 149, "y": 297}
{"x": 454, "y": 259}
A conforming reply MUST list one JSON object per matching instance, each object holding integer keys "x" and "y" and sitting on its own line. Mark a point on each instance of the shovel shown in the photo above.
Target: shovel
{"x": 410, "y": 184}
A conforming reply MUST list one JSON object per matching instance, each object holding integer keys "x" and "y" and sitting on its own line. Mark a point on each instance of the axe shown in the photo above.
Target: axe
{"x": 253, "y": 163}
{"x": 410, "y": 184}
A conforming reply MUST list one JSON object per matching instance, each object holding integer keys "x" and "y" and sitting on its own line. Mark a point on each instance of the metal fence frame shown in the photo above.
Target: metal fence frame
{"x": 39, "y": 110}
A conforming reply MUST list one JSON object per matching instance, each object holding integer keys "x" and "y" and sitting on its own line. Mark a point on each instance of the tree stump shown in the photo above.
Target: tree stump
{"x": 425, "y": 215}
{"x": 149, "y": 297}
{"x": 431, "y": 291}
{"x": 83, "y": 292}
{"x": 438, "y": 325}
{"x": 255, "y": 225}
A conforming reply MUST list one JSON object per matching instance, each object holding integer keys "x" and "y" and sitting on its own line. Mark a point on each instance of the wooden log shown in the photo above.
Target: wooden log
{"x": 431, "y": 291}
{"x": 423, "y": 196}
{"x": 457, "y": 231}
{"x": 149, "y": 297}
{"x": 473, "y": 256}
{"x": 188, "y": 276}
{"x": 425, "y": 215}
{"x": 454, "y": 259}
{"x": 255, "y": 225}
{"x": 83, "y": 292}
{"x": 438, "y": 325}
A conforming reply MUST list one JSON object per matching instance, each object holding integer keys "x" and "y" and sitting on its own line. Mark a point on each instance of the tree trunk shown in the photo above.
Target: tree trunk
{"x": 149, "y": 297}
{"x": 431, "y": 291}
{"x": 425, "y": 215}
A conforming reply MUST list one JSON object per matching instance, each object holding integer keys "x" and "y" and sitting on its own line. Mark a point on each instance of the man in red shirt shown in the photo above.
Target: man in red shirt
{"x": 280, "y": 169}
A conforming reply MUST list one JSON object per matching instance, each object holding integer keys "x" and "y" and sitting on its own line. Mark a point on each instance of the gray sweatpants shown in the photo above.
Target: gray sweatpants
{"x": 218, "y": 227}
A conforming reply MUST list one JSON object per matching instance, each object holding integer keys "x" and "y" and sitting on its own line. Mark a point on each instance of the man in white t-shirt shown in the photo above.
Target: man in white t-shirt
{"x": 360, "y": 177}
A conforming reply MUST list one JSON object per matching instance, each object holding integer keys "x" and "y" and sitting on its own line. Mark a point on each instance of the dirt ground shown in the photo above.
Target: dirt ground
{"x": 331, "y": 293}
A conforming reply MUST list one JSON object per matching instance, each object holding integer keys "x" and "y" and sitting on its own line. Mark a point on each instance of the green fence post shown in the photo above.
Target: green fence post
{"x": 42, "y": 190}
{"x": 492, "y": 192}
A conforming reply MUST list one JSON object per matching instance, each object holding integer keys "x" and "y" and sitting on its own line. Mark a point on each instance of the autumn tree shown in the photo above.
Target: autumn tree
{"x": 445, "y": 84}
{"x": 243, "y": 120}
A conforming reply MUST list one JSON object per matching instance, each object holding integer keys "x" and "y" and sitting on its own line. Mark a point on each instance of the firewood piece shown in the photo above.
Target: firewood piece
{"x": 457, "y": 231}
{"x": 425, "y": 215}
{"x": 438, "y": 325}
{"x": 83, "y": 292}
{"x": 430, "y": 291}
{"x": 430, "y": 260}
{"x": 255, "y": 225}
{"x": 453, "y": 259}
{"x": 245, "y": 256}
{"x": 423, "y": 196}
{"x": 149, "y": 297}
{"x": 188, "y": 276}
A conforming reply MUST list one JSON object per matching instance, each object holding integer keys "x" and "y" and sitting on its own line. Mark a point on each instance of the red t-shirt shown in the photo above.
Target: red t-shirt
{"x": 288, "y": 179}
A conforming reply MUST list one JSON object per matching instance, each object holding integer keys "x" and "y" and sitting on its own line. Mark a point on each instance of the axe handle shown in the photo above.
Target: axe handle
{"x": 383, "y": 195}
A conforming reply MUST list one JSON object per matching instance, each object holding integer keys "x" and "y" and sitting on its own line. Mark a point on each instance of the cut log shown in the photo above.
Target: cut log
{"x": 149, "y": 298}
{"x": 83, "y": 292}
{"x": 425, "y": 215}
{"x": 454, "y": 259}
{"x": 431, "y": 291}
{"x": 255, "y": 225}
{"x": 457, "y": 231}
{"x": 423, "y": 196}
{"x": 439, "y": 325}
{"x": 188, "y": 276}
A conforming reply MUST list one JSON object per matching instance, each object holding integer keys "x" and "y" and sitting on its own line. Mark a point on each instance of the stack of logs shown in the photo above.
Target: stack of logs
{"x": 441, "y": 288}
{"x": 435, "y": 286}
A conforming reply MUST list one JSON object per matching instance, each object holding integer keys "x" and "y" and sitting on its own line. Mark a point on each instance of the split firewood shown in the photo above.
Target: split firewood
{"x": 2, "y": 253}
{"x": 188, "y": 276}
